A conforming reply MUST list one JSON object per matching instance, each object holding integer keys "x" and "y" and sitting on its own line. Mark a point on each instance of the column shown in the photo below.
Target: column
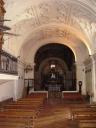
{"x": 88, "y": 76}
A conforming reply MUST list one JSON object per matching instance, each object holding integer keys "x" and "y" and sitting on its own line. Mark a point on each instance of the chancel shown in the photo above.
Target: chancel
{"x": 48, "y": 63}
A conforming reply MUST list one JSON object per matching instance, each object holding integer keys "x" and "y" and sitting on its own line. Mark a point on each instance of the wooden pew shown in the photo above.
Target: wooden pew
{"x": 83, "y": 109}
{"x": 81, "y": 115}
{"x": 22, "y": 113}
{"x": 38, "y": 94}
{"x": 12, "y": 117}
{"x": 7, "y": 101}
{"x": 87, "y": 123}
{"x": 27, "y": 102}
{"x": 30, "y": 101}
{"x": 15, "y": 125}
{"x": 32, "y": 98}
{"x": 22, "y": 106}
{"x": 85, "y": 105}
{"x": 86, "y": 116}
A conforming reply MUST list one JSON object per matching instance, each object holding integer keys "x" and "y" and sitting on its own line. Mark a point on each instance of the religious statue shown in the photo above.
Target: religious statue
{"x": 53, "y": 76}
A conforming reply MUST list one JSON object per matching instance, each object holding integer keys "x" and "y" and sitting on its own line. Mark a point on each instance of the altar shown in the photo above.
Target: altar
{"x": 54, "y": 90}
{"x": 54, "y": 87}
{"x": 54, "y": 82}
{"x": 54, "y": 94}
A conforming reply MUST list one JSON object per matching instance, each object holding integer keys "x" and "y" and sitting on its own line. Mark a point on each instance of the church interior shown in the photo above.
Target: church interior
{"x": 48, "y": 64}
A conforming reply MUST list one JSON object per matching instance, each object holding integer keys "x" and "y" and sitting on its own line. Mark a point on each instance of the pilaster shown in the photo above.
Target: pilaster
{"x": 94, "y": 78}
{"x": 90, "y": 72}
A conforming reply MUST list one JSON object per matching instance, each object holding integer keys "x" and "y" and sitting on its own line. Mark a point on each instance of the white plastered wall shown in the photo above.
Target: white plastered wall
{"x": 7, "y": 90}
{"x": 11, "y": 86}
{"x": 79, "y": 56}
{"x": 83, "y": 10}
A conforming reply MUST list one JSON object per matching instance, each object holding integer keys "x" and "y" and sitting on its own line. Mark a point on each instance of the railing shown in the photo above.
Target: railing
{"x": 8, "y": 63}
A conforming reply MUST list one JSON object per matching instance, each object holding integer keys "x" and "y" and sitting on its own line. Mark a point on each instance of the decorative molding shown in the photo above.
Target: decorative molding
{"x": 56, "y": 10}
{"x": 77, "y": 14}
{"x": 88, "y": 61}
{"x": 94, "y": 56}
{"x": 28, "y": 68}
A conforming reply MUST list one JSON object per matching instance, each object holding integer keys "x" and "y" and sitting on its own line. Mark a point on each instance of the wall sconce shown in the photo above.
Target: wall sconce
{"x": 28, "y": 68}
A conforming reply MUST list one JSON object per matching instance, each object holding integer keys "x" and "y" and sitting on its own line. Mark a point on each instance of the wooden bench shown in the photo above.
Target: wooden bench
{"x": 23, "y": 106}
{"x": 7, "y": 101}
{"x": 12, "y": 117}
{"x": 87, "y": 124}
{"x": 22, "y": 113}
{"x": 85, "y": 115}
{"x": 33, "y": 100}
{"x": 15, "y": 125}
{"x": 83, "y": 109}
{"x": 38, "y": 94}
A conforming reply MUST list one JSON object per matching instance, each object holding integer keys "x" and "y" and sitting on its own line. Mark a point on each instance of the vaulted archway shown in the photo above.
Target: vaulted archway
{"x": 55, "y": 68}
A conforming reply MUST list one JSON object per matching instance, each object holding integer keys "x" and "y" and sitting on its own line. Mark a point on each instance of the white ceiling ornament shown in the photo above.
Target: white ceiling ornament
{"x": 50, "y": 10}
{"x": 29, "y": 17}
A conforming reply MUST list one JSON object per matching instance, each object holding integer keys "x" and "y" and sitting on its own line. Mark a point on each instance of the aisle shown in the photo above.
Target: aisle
{"x": 55, "y": 114}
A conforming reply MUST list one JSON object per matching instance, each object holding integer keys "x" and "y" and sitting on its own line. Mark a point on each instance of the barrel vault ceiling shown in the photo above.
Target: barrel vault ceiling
{"x": 72, "y": 22}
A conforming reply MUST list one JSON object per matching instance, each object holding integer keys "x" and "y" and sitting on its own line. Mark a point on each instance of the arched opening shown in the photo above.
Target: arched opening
{"x": 55, "y": 68}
